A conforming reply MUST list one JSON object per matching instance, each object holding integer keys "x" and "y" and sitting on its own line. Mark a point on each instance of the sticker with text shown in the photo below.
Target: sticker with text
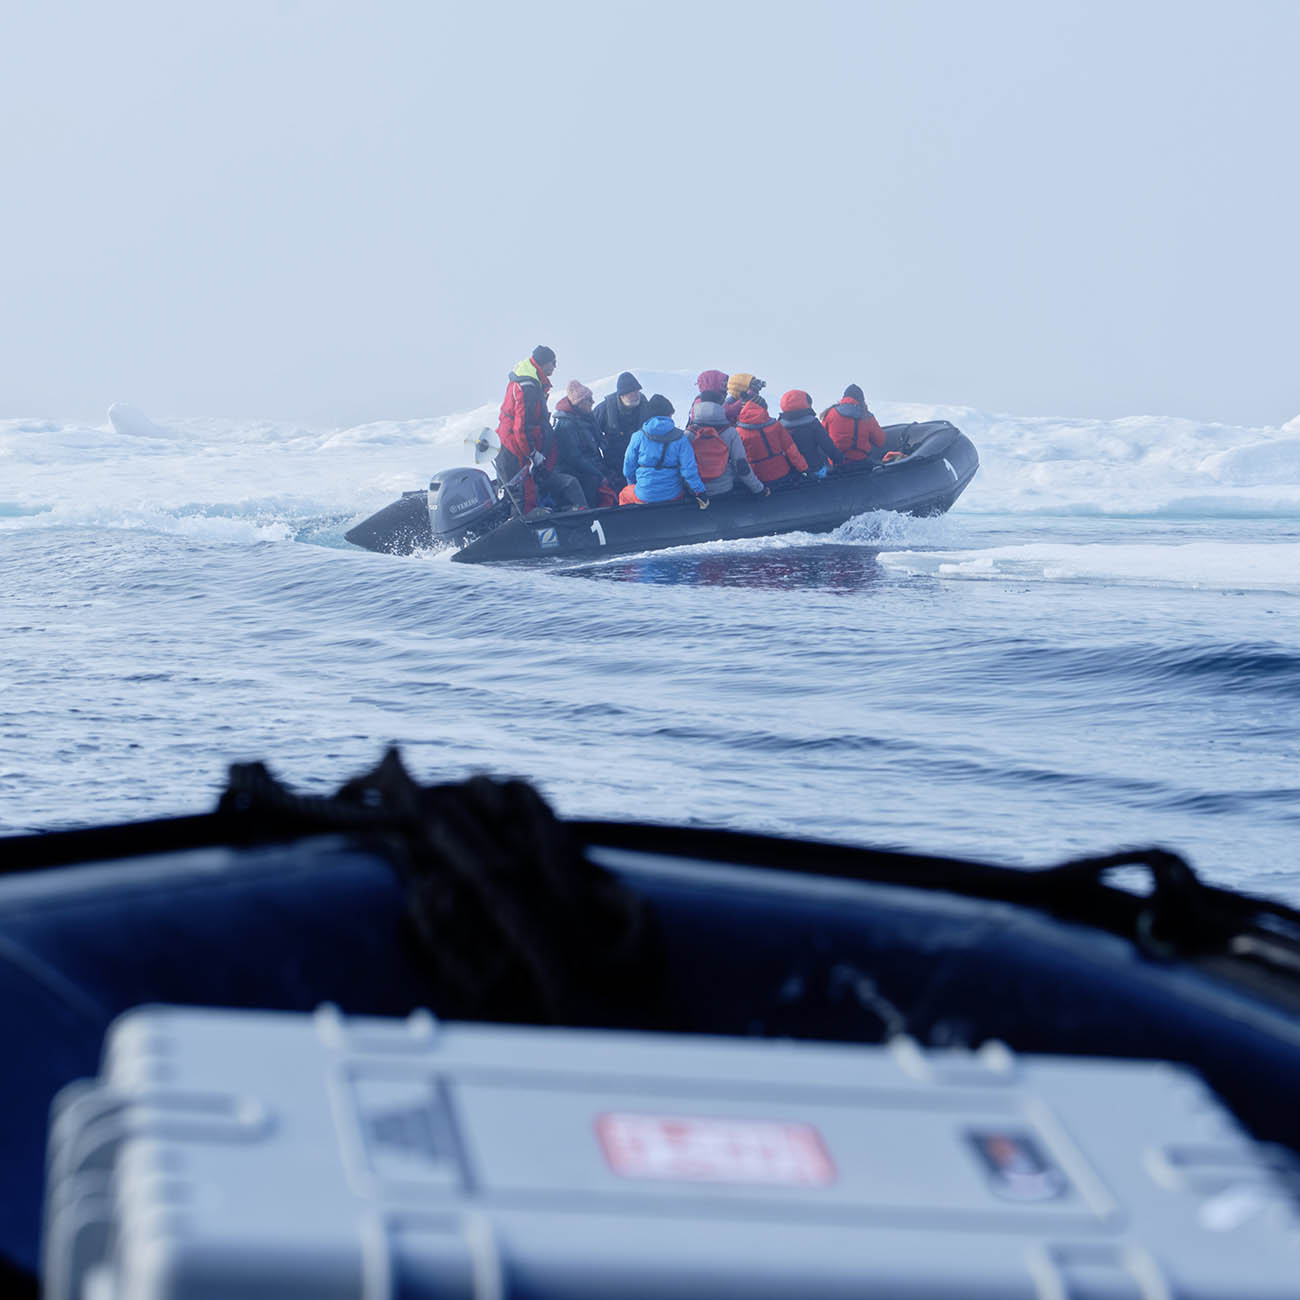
{"x": 688, "y": 1148}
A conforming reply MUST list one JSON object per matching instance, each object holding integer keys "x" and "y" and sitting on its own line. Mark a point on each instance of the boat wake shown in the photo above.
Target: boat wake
{"x": 1217, "y": 566}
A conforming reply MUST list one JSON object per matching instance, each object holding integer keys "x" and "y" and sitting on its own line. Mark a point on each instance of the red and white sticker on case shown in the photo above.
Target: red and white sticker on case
{"x": 689, "y": 1148}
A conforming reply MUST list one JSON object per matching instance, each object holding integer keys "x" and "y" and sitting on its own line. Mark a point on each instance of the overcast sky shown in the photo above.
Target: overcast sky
{"x": 335, "y": 211}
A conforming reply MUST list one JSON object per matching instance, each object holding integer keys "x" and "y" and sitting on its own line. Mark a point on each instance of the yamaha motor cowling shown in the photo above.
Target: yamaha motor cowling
{"x": 459, "y": 503}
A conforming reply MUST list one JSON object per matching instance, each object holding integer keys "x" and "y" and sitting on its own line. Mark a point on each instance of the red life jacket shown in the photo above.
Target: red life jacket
{"x": 856, "y": 435}
{"x": 768, "y": 446}
{"x": 710, "y": 453}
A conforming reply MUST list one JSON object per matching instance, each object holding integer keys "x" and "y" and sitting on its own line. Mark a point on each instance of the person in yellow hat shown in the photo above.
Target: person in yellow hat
{"x": 740, "y": 389}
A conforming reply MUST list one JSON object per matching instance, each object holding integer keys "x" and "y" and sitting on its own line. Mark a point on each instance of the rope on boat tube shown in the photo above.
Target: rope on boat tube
{"x": 516, "y": 923}
{"x": 520, "y": 924}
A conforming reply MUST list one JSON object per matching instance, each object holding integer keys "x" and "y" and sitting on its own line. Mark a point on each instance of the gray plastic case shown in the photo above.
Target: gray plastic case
{"x": 274, "y": 1155}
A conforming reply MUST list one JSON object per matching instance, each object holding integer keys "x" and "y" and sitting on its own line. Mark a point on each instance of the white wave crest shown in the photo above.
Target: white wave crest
{"x": 1218, "y": 566}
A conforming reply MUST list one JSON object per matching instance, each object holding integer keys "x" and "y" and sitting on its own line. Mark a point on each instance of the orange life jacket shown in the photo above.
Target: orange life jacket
{"x": 710, "y": 453}
{"x": 758, "y": 431}
{"x": 866, "y": 433}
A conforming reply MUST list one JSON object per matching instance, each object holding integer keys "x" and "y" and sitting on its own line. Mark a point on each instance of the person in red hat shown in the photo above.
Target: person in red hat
{"x": 852, "y": 427}
{"x": 808, "y": 432}
{"x": 769, "y": 449}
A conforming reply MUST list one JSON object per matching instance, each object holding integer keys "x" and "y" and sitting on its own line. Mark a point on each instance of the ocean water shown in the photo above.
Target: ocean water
{"x": 1099, "y": 647}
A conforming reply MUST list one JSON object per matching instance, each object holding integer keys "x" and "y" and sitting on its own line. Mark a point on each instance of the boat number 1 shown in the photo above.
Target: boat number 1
{"x": 598, "y": 530}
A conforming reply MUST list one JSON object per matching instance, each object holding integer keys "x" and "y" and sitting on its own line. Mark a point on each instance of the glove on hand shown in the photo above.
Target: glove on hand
{"x": 821, "y": 473}
{"x": 702, "y": 501}
{"x": 537, "y": 459}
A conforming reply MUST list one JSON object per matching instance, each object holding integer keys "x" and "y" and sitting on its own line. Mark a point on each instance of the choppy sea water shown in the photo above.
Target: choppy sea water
{"x": 1022, "y": 680}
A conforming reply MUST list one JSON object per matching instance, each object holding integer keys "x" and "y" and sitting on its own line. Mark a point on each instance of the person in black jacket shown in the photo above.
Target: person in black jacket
{"x": 580, "y": 442}
{"x": 618, "y": 417}
{"x": 809, "y": 435}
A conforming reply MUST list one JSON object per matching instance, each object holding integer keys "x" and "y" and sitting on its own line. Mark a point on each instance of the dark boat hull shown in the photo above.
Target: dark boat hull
{"x": 756, "y": 935}
{"x": 941, "y": 461}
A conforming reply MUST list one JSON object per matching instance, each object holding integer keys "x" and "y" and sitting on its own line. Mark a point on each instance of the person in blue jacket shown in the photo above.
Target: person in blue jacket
{"x": 660, "y": 462}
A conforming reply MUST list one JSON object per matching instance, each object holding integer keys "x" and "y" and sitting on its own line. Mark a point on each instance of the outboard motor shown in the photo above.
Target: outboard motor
{"x": 458, "y": 502}
{"x": 458, "y": 499}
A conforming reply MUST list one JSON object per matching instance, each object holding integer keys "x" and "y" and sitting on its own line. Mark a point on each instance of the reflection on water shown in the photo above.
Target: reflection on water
{"x": 826, "y": 568}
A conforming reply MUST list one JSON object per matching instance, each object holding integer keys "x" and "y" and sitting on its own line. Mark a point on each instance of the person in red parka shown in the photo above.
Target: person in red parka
{"x": 527, "y": 441}
{"x": 853, "y": 429}
{"x": 769, "y": 448}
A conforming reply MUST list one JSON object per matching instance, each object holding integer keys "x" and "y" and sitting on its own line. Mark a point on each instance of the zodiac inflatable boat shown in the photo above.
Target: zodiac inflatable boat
{"x": 463, "y": 508}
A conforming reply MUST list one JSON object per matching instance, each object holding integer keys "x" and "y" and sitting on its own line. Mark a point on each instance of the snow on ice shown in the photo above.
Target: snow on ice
{"x": 236, "y": 481}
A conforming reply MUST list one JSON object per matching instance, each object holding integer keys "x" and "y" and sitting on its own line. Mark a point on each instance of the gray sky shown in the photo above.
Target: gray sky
{"x": 331, "y": 212}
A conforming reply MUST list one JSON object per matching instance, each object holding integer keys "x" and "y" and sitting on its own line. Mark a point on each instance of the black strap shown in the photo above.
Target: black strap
{"x": 771, "y": 455}
{"x": 663, "y": 456}
{"x": 867, "y": 448}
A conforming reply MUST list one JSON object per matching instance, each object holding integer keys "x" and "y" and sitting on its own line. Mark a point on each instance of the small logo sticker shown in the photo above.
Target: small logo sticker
{"x": 1017, "y": 1168}
{"x": 683, "y": 1148}
{"x": 548, "y": 537}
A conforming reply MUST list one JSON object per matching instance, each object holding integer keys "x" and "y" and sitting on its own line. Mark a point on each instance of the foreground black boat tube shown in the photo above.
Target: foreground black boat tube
{"x": 373, "y": 901}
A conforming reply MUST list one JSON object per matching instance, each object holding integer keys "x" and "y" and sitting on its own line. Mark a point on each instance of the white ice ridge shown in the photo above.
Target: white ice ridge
{"x": 133, "y": 423}
{"x": 136, "y": 468}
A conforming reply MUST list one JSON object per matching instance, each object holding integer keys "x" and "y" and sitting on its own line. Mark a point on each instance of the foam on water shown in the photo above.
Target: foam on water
{"x": 1220, "y": 566}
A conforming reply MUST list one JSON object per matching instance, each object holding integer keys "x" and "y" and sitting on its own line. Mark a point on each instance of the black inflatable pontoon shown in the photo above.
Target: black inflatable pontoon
{"x": 461, "y": 509}
{"x": 473, "y": 900}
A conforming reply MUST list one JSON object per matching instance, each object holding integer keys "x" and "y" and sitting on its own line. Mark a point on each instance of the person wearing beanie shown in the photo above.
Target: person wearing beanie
{"x": 719, "y": 453}
{"x": 740, "y": 389}
{"x": 527, "y": 441}
{"x": 853, "y": 429}
{"x": 769, "y": 448}
{"x": 577, "y": 392}
{"x": 712, "y": 385}
{"x": 618, "y": 417}
{"x": 659, "y": 464}
{"x": 578, "y": 442}
{"x": 808, "y": 432}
